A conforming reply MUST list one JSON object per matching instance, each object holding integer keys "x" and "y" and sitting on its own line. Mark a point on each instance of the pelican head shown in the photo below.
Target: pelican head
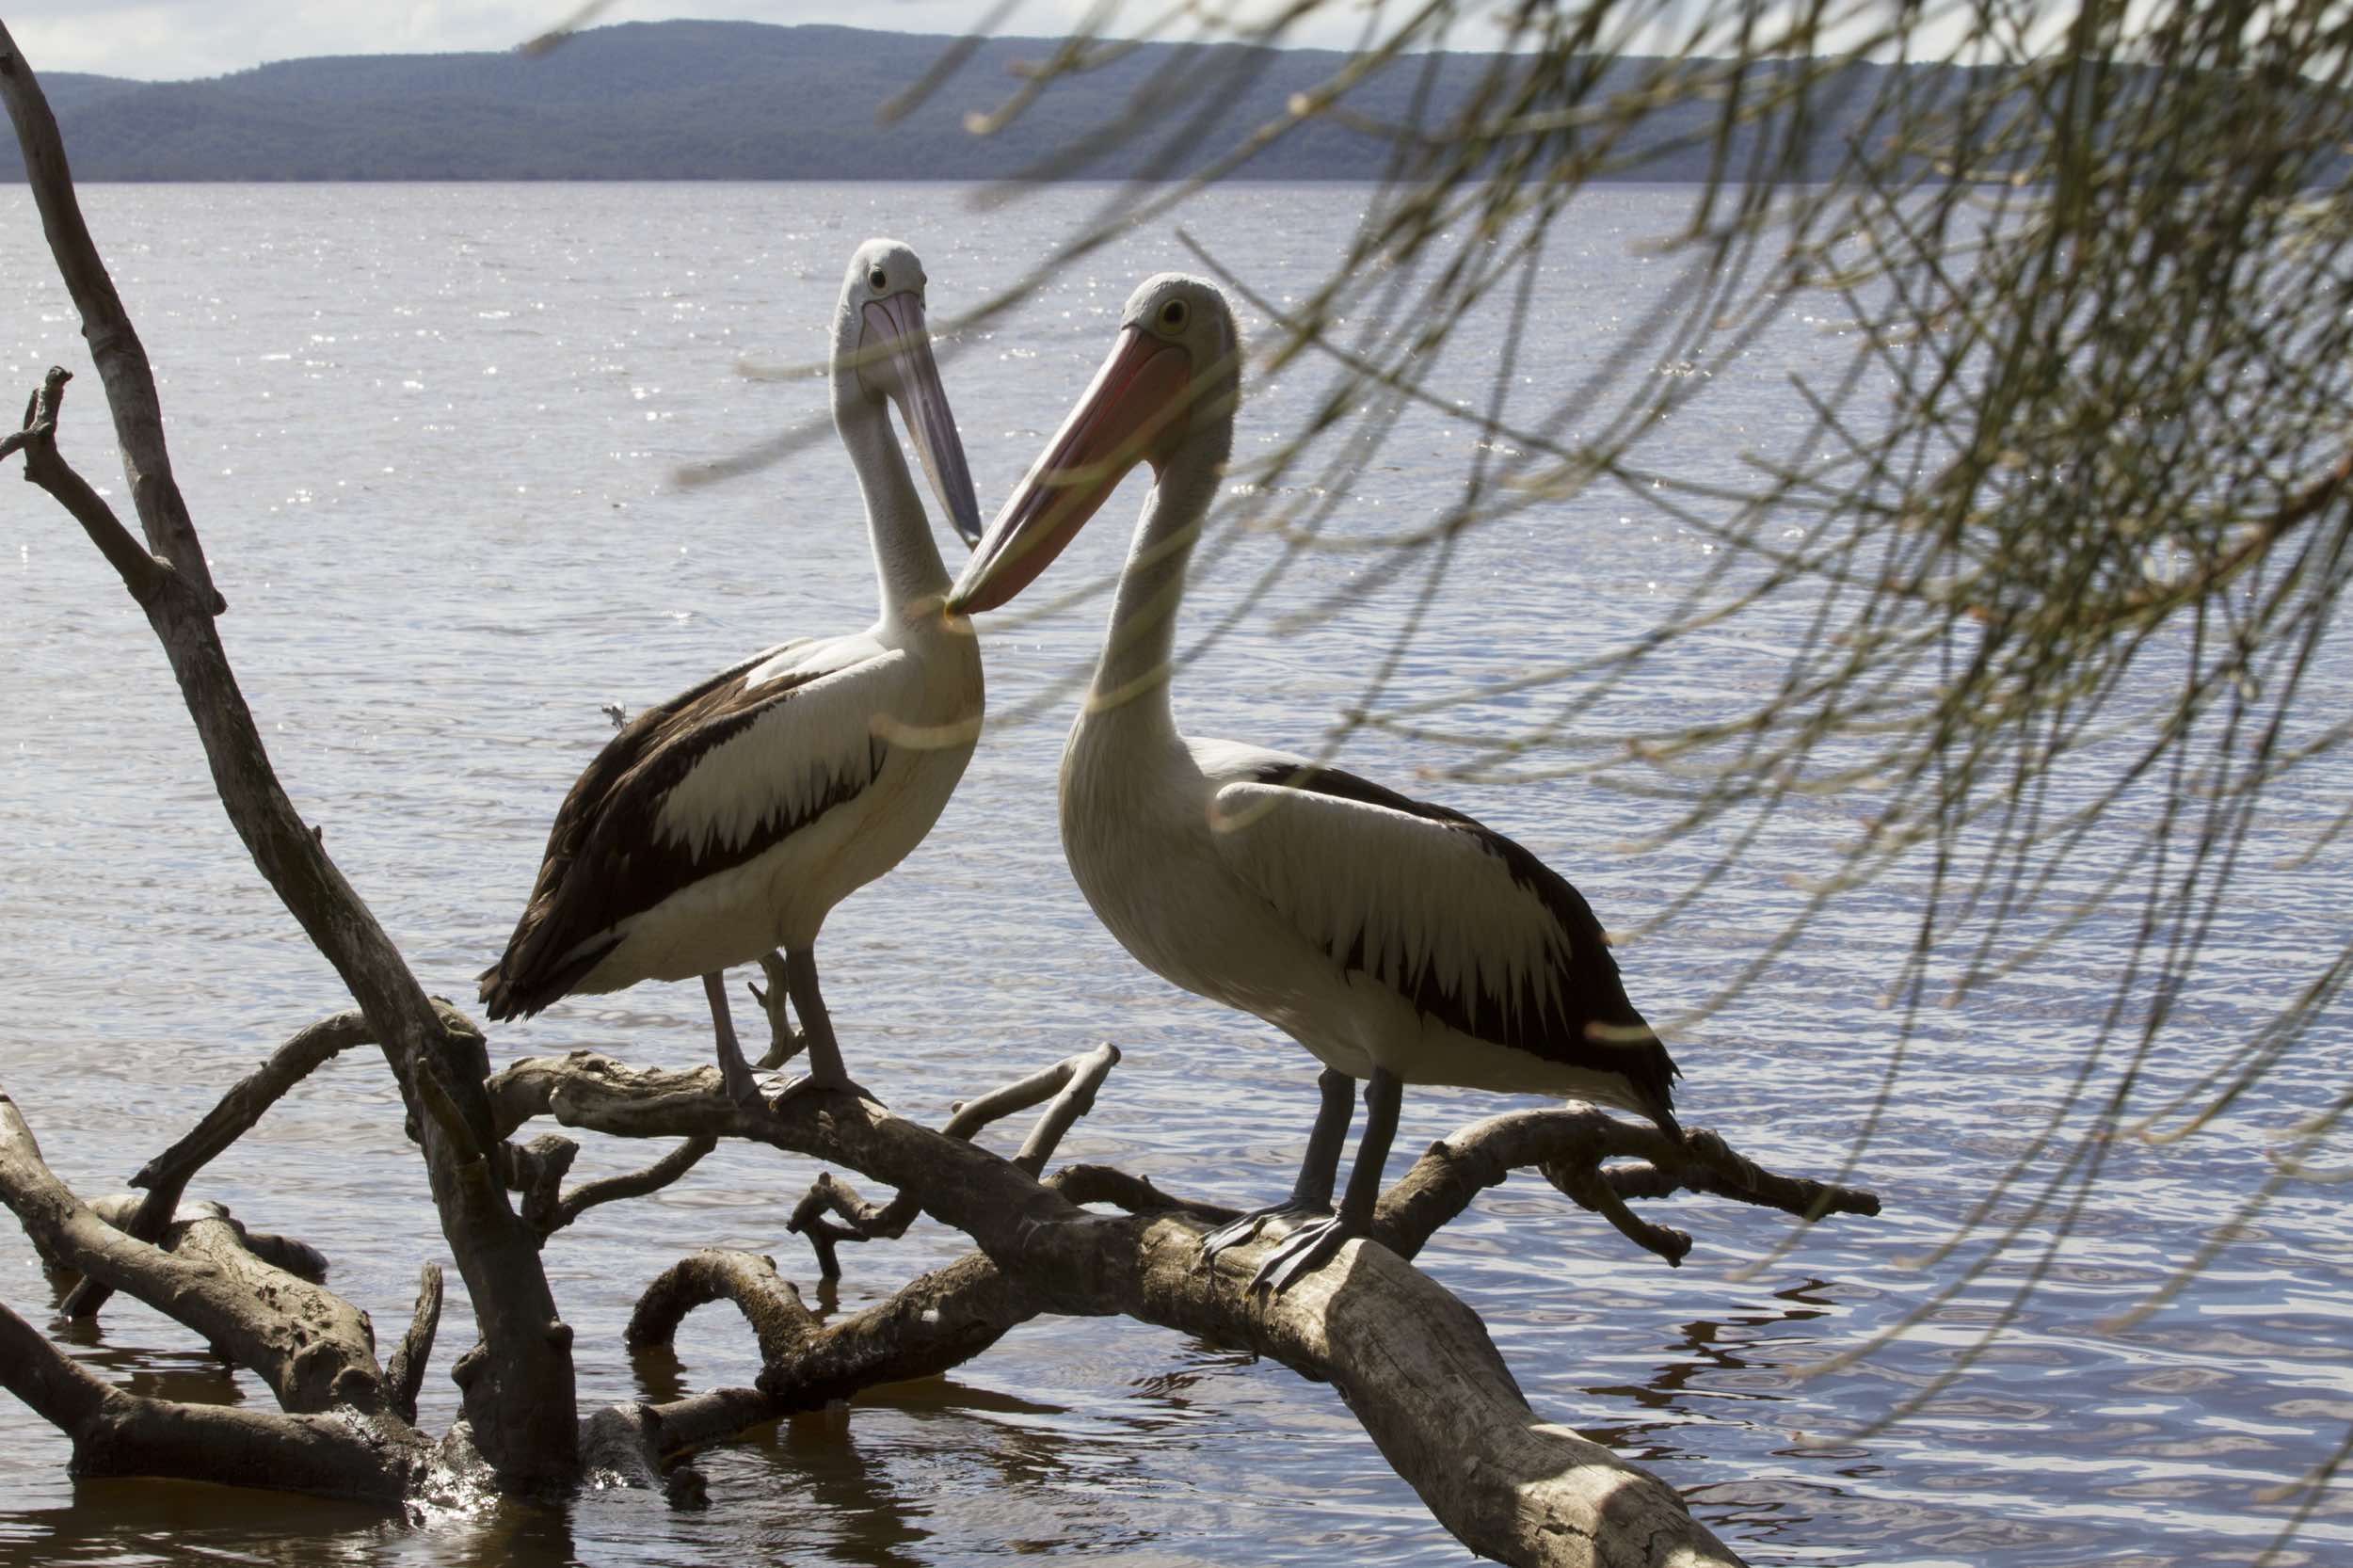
{"x": 880, "y": 340}
{"x": 1168, "y": 389}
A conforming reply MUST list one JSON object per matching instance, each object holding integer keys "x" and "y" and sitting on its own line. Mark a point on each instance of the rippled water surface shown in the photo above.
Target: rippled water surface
{"x": 429, "y": 432}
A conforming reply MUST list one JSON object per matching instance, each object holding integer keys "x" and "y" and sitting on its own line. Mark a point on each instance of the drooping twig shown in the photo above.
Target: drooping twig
{"x": 404, "y": 1375}
{"x": 1593, "y": 1191}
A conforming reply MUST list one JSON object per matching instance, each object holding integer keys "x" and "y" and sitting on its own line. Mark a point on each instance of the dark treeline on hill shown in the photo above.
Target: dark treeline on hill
{"x": 741, "y": 101}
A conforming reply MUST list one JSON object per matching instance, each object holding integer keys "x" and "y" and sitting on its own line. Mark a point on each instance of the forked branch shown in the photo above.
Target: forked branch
{"x": 523, "y": 1411}
{"x": 1071, "y": 1084}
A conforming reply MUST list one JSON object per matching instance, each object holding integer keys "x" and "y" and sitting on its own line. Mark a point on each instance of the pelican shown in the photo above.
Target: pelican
{"x": 1399, "y": 941}
{"x": 727, "y": 822}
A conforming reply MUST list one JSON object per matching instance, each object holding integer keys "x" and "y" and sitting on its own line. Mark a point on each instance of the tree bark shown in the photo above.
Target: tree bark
{"x": 119, "y": 1433}
{"x": 1413, "y": 1363}
{"x": 520, "y": 1393}
{"x": 314, "y": 1349}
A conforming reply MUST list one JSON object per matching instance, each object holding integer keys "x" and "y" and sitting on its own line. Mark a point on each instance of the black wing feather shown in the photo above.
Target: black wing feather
{"x": 604, "y": 862}
{"x": 1588, "y": 1023}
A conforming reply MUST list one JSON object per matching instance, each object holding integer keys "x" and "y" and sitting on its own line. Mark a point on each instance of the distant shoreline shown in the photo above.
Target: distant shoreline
{"x": 724, "y": 102}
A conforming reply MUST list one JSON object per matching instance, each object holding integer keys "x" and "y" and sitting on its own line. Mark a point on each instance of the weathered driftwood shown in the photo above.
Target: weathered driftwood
{"x": 1070, "y": 1084}
{"x": 313, "y": 1349}
{"x": 1414, "y": 1364}
{"x": 521, "y": 1405}
{"x": 116, "y": 1432}
{"x": 166, "y": 1176}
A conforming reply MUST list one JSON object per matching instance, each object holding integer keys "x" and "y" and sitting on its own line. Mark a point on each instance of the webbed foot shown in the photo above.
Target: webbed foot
{"x": 1236, "y": 1232}
{"x": 1302, "y": 1251}
{"x": 737, "y": 1083}
{"x": 813, "y": 1083}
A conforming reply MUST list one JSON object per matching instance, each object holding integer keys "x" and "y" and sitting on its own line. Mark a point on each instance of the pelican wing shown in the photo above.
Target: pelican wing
{"x": 710, "y": 780}
{"x": 1467, "y": 925}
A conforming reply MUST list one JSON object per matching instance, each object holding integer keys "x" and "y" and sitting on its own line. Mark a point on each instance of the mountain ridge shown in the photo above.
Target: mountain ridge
{"x": 752, "y": 100}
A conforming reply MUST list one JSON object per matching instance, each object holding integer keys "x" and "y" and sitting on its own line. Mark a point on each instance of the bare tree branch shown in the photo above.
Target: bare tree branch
{"x": 523, "y": 1412}
{"x": 114, "y": 344}
{"x": 166, "y": 1176}
{"x": 1071, "y": 1083}
{"x": 1076, "y": 1097}
{"x": 404, "y": 1375}
{"x": 634, "y": 1184}
{"x": 313, "y": 1349}
{"x": 144, "y": 574}
{"x": 1569, "y": 1147}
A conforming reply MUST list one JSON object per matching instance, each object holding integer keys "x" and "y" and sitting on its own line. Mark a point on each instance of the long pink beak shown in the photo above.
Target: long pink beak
{"x": 1119, "y": 421}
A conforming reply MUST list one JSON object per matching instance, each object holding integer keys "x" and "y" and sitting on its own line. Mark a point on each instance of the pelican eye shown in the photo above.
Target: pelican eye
{"x": 1172, "y": 315}
{"x": 877, "y": 279}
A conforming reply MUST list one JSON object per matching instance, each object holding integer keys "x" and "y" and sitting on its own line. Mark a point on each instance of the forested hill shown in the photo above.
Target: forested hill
{"x": 739, "y": 100}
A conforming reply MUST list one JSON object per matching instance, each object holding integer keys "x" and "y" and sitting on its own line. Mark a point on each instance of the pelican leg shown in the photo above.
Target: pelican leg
{"x": 1312, "y": 1194}
{"x": 1313, "y": 1246}
{"x": 784, "y": 1041}
{"x": 826, "y": 1071}
{"x": 735, "y": 1074}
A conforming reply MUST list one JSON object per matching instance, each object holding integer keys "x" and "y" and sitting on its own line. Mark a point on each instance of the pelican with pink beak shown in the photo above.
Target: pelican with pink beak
{"x": 727, "y": 822}
{"x": 1399, "y": 941}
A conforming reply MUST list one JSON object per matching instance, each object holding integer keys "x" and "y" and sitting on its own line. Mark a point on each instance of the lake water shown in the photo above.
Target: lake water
{"x": 429, "y": 434}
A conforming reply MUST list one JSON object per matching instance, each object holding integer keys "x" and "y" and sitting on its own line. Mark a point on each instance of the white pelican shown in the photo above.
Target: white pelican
{"x": 1400, "y": 942}
{"x": 727, "y": 822}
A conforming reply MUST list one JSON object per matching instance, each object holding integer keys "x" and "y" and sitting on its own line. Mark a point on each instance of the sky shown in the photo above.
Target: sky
{"x": 175, "y": 40}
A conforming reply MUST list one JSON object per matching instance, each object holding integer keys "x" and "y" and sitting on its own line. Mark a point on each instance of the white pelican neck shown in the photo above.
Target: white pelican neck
{"x": 1131, "y": 677}
{"x": 907, "y": 558}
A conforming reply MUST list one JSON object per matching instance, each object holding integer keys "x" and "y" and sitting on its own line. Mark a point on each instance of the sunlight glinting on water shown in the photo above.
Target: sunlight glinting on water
{"x": 429, "y": 434}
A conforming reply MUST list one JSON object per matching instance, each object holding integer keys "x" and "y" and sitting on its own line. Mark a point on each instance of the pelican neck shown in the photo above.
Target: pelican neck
{"x": 907, "y": 559}
{"x": 1132, "y": 676}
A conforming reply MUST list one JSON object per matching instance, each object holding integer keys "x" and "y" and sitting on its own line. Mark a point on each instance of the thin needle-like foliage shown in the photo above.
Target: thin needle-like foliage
{"x": 2070, "y": 522}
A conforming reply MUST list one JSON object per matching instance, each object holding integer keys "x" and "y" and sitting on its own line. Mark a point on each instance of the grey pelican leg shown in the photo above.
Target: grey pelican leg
{"x": 826, "y": 1071}
{"x": 1312, "y": 1247}
{"x": 1312, "y": 1194}
{"x": 735, "y": 1074}
{"x": 784, "y": 1041}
